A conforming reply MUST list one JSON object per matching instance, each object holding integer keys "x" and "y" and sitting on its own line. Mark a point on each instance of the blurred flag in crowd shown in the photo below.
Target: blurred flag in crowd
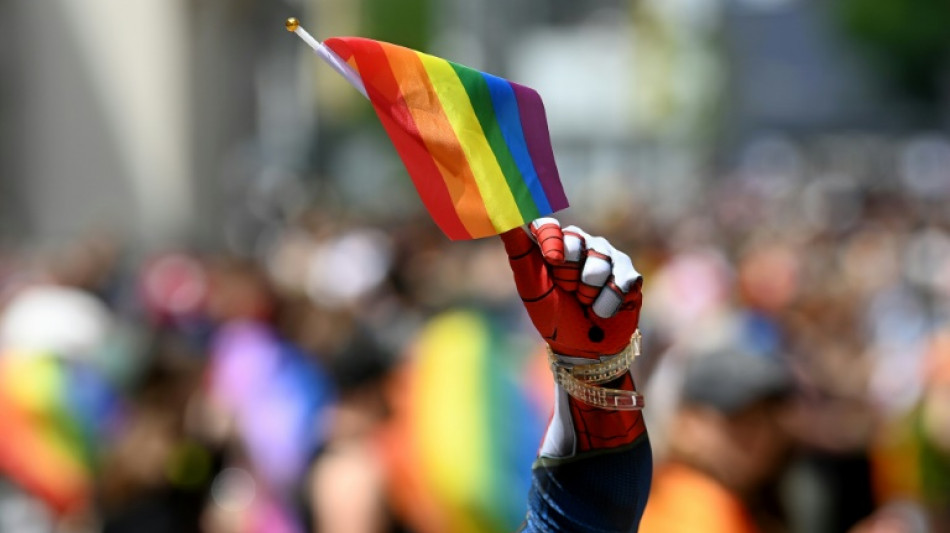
{"x": 55, "y": 404}
{"x": 468, "y": 426}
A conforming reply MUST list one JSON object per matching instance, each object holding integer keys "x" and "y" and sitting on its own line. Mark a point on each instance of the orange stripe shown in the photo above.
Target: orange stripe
{"x": 440, "y": 139}
{"x": 391, "y": 108}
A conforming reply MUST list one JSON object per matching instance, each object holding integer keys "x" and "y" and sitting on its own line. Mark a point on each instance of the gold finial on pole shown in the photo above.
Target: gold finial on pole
{"x": 328, "y": 55}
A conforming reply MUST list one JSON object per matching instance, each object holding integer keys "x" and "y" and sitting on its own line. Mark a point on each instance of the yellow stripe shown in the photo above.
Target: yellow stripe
{"x": 450, "y": 405}
{"x": 501, "y": 206}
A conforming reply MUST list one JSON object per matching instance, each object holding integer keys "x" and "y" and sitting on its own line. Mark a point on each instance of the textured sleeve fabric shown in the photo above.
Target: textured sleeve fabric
{"x": 599, "y": 492}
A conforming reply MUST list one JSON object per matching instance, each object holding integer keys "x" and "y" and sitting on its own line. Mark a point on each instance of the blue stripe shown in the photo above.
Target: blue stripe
{"x": 509, "y": 122}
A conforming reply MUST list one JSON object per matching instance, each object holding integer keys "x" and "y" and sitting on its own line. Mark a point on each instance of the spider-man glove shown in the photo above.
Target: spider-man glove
{"x": 583, "y": 296}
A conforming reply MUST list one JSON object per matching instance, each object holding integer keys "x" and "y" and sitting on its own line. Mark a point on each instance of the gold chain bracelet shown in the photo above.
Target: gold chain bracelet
{"x": 580, "y": 379}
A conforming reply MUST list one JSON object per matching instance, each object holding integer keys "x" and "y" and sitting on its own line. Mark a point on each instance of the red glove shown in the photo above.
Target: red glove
{"x": 582, "y": 294}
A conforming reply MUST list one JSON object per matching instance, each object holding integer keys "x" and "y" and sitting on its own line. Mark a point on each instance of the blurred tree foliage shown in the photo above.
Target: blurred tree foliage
{"x": 406, "y": 22}
{"x": 910, "y": 38}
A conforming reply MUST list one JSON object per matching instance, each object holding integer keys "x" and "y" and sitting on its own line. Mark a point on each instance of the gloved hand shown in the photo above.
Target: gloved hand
{"x": 583, "y": 295}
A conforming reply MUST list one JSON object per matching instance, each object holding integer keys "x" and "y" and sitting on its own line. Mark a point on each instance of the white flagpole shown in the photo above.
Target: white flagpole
{"x": 335, "y": 61}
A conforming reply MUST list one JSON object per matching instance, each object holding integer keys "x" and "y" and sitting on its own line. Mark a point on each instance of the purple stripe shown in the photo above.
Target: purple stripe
{"x": 535, "y": 125}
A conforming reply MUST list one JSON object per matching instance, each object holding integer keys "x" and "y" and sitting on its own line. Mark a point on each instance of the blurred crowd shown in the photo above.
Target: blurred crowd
{"x": 360, "y": 375}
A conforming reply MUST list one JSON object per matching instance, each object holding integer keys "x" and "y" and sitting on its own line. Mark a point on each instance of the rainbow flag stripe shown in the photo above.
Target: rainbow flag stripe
{"x": 476, "y": 146}
{"x": 475, "y": 429}
{"x": 42, "y": 448}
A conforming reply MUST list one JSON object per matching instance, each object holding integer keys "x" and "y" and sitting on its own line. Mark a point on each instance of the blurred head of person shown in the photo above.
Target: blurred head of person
{"x": 896, "y": 517}
{"x": 238, "y": 290}
{"x": 730, "y": 422}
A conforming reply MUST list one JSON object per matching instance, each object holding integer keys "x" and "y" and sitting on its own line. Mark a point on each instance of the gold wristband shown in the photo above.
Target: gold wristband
{"x": 580, "y": 379}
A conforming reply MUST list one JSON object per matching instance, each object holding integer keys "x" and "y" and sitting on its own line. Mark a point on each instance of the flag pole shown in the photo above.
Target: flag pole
{"x": 335, "y": 61}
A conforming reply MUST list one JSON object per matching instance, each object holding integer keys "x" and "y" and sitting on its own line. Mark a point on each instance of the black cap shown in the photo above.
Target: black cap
{"x": 730, "y": 381}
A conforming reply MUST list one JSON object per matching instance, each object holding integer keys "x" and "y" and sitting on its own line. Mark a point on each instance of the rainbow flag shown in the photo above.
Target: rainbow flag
{"x": 476, "y": 146}
{"x": 44, "y": 449}
{"x": 475, "y": 428}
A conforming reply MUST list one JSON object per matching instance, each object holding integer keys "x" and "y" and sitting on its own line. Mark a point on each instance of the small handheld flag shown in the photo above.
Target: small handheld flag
{"x": 476, "y": 146}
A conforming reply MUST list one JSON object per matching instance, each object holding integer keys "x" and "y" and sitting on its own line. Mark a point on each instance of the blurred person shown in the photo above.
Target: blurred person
{"x": 345, "y": 489}
{"x": 726, "y": 445}
{"x": 819, "y": 328}
{"x": 911, "y": 451}
{"x": 91, "y": 264}
{"x": 899, "y": 517}
{"x": 264, "y": 403}
{"x": 154, "y": 474}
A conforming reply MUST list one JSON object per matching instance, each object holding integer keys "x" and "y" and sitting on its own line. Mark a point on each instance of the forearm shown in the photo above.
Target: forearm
{"x": 594, "y": 469}
{"x": 577, "y": 428}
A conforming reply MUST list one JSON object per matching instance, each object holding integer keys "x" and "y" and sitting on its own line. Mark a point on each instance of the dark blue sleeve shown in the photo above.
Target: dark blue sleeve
{"x": 601, "y": 492}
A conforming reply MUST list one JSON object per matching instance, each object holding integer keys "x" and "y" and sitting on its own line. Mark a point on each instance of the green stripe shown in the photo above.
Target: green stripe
{"x": 507, "y": 503}
{"x": 480, "y": 96}
{"x": 495, "y": 431}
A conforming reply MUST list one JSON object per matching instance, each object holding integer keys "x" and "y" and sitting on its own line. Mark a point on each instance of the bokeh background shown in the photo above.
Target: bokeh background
{"x": 222, "y": 308}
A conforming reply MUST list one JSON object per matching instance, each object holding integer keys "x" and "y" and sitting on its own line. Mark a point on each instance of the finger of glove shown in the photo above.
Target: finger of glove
{"x": 532, "y": 277}
{"x": 574, "y": 244}
{"x": 598, "y": 267}
{"x": 547, "y": 232}
{"x": 621, "y": 288}
{"x": 568, "y": 274}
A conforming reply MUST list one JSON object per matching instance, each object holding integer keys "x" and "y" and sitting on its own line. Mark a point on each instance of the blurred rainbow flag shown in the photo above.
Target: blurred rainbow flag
{"x": 47, "y": 441}
{"x": 476, "y": 146}
{"x": 467, "y": 428}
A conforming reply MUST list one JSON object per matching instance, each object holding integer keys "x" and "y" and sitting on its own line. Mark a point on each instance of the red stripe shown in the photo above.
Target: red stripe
{"x": 441, "y": 139}
{"x": 391, "y": 108}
